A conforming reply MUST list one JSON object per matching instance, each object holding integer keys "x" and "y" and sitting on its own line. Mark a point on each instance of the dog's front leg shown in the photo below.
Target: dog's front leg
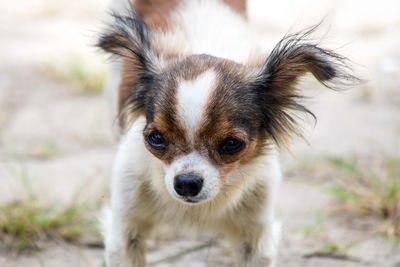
{"x": 125, "y": 240}
{"x": 257, "y": 245}
{"x": 126, "y": 221}
{"x": 253, "y": 230}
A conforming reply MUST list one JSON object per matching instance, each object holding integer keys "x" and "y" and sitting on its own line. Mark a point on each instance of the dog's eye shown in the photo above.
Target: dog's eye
{"x": 156, "y": 140}
{"x": 231, "y": 146}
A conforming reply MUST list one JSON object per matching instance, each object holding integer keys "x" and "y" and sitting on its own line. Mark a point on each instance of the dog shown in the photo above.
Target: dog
{"x": 203, "y": 114}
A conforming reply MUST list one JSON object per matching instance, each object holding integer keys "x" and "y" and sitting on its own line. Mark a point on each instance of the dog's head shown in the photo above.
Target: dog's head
{"x": 207, "y": 116}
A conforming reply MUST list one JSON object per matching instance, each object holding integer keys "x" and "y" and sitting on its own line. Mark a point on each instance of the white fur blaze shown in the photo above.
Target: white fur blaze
{"x": 192, "y": 97}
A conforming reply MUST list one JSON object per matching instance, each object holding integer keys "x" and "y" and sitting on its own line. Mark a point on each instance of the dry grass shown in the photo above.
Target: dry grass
{"x": 81, "y": 74}
{"x": 24, "y": 223}
{"x": 370, "y": 188}
{"x": 28, "y": 221}
{"x": 44, "y": 149}
{"x": 326, "y": 244}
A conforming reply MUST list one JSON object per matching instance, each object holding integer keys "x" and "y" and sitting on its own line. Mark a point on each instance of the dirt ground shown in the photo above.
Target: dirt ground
{"x": 62, "y": 137}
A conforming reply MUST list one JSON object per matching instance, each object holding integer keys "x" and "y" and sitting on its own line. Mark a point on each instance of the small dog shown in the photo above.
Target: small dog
{"x": 203, "y": 113}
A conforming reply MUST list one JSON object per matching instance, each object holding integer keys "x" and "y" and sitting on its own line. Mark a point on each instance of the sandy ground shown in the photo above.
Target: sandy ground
{"x": 38, "y": 111}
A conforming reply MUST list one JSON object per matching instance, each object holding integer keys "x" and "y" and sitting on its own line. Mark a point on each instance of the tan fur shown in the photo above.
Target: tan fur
{"x": 219, "y": 215}
{"x": 245, "y": 197}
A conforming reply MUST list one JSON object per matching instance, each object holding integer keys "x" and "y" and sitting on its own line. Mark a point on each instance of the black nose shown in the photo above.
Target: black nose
{"x": 188, "y": 185}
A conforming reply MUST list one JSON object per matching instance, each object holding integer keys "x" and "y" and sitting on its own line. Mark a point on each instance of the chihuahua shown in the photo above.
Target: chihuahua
{"x": 203, "y": 112}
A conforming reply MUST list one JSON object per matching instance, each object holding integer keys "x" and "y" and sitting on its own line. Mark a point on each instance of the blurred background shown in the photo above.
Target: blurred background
{"x": 340, "y": 201}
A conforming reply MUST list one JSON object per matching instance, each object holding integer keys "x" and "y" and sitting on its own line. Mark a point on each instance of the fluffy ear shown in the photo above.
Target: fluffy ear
{"x": 292, "y": 58}
{"x": 129, "y": 39}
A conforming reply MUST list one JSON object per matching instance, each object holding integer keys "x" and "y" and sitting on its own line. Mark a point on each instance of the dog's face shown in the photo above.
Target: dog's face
{"x": 206, "y": 116}
{"x": 203, "y": 124}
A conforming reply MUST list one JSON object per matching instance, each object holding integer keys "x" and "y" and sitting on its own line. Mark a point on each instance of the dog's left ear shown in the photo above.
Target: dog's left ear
{"x": 129, "y": 39}
{"x": 276, "y": 82}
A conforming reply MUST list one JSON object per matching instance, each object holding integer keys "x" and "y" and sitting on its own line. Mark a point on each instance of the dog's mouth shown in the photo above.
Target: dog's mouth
{"x": 188, "y": 200}
{"x": 191, "y": 200}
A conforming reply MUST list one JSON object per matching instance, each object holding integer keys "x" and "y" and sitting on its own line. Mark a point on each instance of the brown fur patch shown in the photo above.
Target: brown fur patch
{"x": 156, "y": 13}
{"x": 129, "y": 79}
{"x": 240, "y": 6}
{"x": 156, "y": 16}
{"x": 164, "y": 119}
{"x": 231, "y": 112}
{"x": 173, "y": 134}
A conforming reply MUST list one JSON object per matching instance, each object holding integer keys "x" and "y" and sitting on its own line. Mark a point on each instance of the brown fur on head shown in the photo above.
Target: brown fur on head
{"x": 241, "y": 110}
{"x": 156, "y": 13}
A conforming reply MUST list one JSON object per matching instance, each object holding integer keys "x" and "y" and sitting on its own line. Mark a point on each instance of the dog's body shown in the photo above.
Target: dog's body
{"x": 140, "y": 201}
{"x": 201, "y": 121}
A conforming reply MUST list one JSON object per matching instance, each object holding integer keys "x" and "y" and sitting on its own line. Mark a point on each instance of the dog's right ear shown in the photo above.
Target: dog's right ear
{"x": 276, "y": 83}
{"x": 129, "y": 39}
